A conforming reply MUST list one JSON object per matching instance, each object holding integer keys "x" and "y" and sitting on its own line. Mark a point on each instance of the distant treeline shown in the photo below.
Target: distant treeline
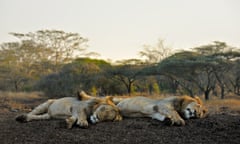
{"x": 58, "y": 64}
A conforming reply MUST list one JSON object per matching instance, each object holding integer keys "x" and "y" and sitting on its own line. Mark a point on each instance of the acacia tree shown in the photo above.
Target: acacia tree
{"x": 63, "y": 46}
{"x": 200, "y": 70}
{"x": 154, "y": 54}
{"x": 127, "y": 74}
{"x": 191, "y": 70}
{"x": 81, "y": 74}
{"x": 12, "y": 65}
{"x": 37, "y": 54}
{"x": 234, "y": 77}
{"x": 223, "y": 56}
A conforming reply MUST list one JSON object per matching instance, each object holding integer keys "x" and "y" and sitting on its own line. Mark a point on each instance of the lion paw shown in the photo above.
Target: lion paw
{"x": 179, "y": 122}
{"x": 82, "y": 123}
{"x": 22, "y": 118}
{"x": 70, "y": 122}
{"x": 174, "y": 121}
{"x": 168, "y": 121}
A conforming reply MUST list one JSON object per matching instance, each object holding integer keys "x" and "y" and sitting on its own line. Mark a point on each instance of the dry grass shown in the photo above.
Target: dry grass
{"x": 20, "y": 101}
{"x": 231, "y": 106}
{"x": 25, "y": 101}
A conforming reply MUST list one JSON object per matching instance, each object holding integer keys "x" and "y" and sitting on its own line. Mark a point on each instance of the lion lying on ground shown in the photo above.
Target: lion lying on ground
{"x": 173, "y": 109}
{"x": 73, "y": 110}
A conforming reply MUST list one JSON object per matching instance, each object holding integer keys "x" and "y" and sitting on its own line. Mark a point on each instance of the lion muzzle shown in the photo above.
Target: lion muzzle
{"x": 94, "y": 119}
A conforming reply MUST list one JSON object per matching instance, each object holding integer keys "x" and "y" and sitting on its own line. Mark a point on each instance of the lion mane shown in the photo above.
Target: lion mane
{"x": 172, "y": 109}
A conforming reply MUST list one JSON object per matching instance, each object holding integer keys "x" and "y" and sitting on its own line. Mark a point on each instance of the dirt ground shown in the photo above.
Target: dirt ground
{"x": 220, "y": 128}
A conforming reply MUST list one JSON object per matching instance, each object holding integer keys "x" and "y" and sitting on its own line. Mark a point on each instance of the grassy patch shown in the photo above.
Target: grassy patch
{"x": 231, "y": 105}
{"x": 15, "y": 101}
{"x": 26, "y": 101}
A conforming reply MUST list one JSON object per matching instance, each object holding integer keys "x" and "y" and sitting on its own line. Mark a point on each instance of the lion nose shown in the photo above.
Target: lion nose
{"x": 94, "y": 119}
{"x": 190, "y": 112}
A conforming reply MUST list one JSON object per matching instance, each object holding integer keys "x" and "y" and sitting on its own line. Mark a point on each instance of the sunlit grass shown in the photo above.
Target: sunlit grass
{"x": 23, "y": 101}
{"x": 224, "y": 106}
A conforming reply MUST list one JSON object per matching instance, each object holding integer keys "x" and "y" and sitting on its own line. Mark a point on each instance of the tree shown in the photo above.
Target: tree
{"x": 63, "y": 46}
{"x": 223, "y": 55}
{"x": 191, "y": 70}
{"x": 201, "y": 69}
{"x": 154, "y": 54}
{"x": 81, "y": 74}
{"x": 234, "y": 76}
{"x": 38, "y": 54}
{"x": 11, "y": 65}
{"x": 126, "y": 74}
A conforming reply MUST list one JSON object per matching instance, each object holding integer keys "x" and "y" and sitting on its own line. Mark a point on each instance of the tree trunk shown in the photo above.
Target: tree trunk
{"x": 207, "y": 94}
{"x": 129, "y": 89}
{"x": 222, "y": 92}
{"x": 16, "y": 86}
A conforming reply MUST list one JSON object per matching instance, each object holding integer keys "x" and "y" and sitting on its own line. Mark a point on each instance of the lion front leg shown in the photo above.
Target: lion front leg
{"x": 81, "y": 116}
{"x": 165, "y": 113}
{"x": 176, "y": 118}
{"x": 83, "y": 123}
{"x": 82, "y": 119}
{"x": 70, "y": 121}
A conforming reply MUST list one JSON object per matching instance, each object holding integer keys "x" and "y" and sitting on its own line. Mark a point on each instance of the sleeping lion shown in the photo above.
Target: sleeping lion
{"x": 173, "y": 109}
{"x": 73, "y": 110}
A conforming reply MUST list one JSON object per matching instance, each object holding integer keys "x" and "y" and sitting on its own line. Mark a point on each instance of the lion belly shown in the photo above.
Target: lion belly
{"x": 136, "y": 107}
{"x": 61, "y": 108}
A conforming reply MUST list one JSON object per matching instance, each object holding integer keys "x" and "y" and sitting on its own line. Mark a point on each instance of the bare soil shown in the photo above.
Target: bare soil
{"x": 220, "y": 128}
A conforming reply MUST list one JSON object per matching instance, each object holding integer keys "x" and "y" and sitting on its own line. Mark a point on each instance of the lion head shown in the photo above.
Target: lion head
{"x": 104, "y": 110}
{"x": 192, "y": 108}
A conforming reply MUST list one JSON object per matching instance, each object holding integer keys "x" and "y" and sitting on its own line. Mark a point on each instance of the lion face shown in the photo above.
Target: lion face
{"x": 194, "y": 110}
{"x": 105, "y": 112}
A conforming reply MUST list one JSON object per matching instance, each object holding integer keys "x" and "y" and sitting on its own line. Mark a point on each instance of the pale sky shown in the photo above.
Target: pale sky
{"x": 118, "y": 29}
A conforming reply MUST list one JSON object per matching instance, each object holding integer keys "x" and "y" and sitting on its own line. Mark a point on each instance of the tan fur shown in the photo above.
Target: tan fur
{"x": 73, "y": 110}
{"x": 110, "y": 110}
{"x": 174, "y": 108}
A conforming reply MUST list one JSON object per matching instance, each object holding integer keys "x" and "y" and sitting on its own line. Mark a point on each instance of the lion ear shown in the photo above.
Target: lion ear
{"x": 199, "y": 101}
{"x": 109, "y": 100}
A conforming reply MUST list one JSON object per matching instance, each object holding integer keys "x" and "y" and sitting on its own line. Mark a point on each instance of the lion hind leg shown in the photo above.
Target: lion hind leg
{"x": 37, "y": 113}
{"x": 158, "y": 116}
{"x": 38, "y": 117}
{"x": 42, "y": 108}
{"x": 29, "y": 117}
{"x": 83, "y": 96}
